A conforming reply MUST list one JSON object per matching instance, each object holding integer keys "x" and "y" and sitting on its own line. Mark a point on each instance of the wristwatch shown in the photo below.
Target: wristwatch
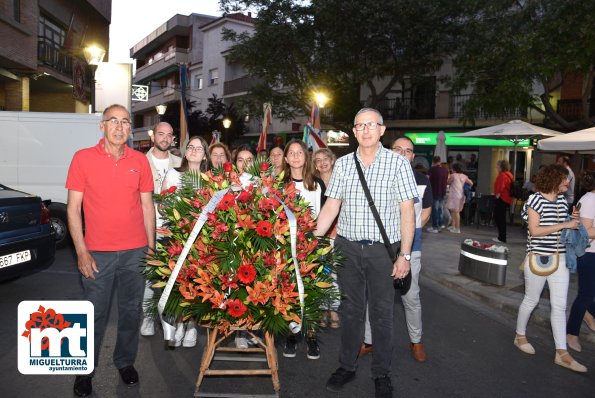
{"x": 406, "y": 255}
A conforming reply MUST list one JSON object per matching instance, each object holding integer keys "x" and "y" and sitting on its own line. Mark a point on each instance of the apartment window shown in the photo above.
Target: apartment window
{"x": 50, "y": 44}
{"x": 213, "y": 76}
{"x": 51, "y": 33}
{"x": 198, "y": 82}
{"x": 16, "y": 9}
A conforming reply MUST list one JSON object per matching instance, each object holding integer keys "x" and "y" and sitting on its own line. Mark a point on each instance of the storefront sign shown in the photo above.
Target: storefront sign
{"x": 429, "y": 138}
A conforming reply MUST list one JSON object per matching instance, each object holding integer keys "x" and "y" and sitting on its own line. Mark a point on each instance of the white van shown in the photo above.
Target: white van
{"x": 35, "y": 152}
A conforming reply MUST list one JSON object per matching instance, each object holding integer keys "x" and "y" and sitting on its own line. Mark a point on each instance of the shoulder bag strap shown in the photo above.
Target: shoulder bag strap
{"x": 362, "y": 179}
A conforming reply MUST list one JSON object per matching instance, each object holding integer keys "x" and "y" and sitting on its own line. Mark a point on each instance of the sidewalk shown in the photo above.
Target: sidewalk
{"x": 440, "y": 262}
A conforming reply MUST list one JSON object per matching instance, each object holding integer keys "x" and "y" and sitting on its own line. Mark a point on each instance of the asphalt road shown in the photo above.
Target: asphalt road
{"x": 469, "y": 346}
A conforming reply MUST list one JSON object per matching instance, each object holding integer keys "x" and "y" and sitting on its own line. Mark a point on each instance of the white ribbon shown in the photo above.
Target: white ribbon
{"x": 293, "y": 326}
{"x": 169, "y": 330}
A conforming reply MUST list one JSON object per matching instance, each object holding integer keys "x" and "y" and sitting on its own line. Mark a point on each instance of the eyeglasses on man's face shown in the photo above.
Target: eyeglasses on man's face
{"x": 370, "y": 125}
{"x": 113, "y": 121}
{"x": 402, "y": 150}
{"x": 198, "y": 149}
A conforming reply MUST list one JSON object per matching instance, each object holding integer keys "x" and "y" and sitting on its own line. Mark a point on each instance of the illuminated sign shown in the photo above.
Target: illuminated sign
{"x": 429, "y": 138}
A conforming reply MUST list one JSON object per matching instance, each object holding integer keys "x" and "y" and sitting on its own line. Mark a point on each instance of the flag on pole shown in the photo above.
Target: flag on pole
{"x": 312, "y": 135}
{"x": 266, "y": 123}
{"x": 183, "y": 108}
{"x": 216, "y": 137}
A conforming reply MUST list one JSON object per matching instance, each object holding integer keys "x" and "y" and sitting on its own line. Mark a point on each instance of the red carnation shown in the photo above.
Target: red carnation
{"x": 227, "y": 167}
{"x": 236, "y": 308}
{"x": 246, "y": 273}
{"x": 244, "y": 197}
{"x": 227, "y": 201}
{"x": 264, "y": 228}
{"x": 264, "y": 166}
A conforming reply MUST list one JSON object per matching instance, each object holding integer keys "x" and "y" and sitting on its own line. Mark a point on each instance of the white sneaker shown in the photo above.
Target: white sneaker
{"x": 456, "y": 230}
{"x": 497, "y": 240}
{"x": 241, "y": 342}
{"x": 433, "y": 230}
{"x": 451, "y": 228}
{"x": 442, "y": 226}
{"x": 148, "y": 327}
{"x": 179, "y": 336}
{"x": 190, "y": 337}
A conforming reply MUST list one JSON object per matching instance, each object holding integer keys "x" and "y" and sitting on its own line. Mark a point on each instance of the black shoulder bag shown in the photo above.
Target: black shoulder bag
{"x": 401, "y": 284}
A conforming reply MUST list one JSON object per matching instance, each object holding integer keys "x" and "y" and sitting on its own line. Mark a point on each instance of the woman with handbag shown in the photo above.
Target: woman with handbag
{"x": 546, "y": 212}
{"x": 583, "y": 307}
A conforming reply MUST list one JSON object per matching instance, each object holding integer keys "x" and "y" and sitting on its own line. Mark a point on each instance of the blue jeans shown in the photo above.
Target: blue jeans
{"x": 586, "y": 293}
{"x": 437, "y": 204}
{"x": 120, "y": 271}
{"x": 365, "y": 278}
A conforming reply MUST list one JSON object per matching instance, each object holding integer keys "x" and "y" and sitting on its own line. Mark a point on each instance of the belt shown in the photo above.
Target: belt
{"x": 363, "y": 242}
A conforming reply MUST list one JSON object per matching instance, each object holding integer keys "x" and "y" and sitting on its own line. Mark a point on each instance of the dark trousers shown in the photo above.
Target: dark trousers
{"x": 500, "y": 211}
{"x": 365, "y": 277}
{"x": 586, "y": 293}
{"x": 119, "y": 271}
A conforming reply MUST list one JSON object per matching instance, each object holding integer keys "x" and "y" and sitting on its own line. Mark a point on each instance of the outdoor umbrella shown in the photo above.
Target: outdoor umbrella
{"x": 582, "y": 141}
{"x": 440, "y": 149}
{"x": 514, "y": 131}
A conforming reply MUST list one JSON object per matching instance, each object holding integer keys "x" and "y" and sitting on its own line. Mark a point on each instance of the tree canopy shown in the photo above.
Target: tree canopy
{"x": 518, "y": 54}
{"x": 512, "y": 54}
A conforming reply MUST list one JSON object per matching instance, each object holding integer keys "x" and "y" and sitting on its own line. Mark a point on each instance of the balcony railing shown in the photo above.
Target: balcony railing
{"x": 166, "y": 63}
{"x": 240, "y": 85}
{"x": 408, "y": 108}
{"x": 458, "y": 103}
{"x": 572, "y": 110}
{"x": 54, "y": 57}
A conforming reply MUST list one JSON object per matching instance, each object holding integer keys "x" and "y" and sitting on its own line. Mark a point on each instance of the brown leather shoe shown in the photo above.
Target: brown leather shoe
{"x": 418, "y": 352}
{"x": 365, "y": 349}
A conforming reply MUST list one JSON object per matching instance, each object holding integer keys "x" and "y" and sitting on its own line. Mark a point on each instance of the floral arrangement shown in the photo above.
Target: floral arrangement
{"x": 240, "y": 270}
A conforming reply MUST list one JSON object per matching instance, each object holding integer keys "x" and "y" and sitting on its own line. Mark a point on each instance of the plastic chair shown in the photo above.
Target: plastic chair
{"x": 484, "y": 213}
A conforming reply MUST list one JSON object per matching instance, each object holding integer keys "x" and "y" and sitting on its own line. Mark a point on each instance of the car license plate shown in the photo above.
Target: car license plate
{"x": 15, "y": 258}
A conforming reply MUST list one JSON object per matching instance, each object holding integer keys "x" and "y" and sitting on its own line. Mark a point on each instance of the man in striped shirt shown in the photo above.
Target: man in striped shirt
{"x": 367, "y": 273}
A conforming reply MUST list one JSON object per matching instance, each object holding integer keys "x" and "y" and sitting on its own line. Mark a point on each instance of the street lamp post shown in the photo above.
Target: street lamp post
{"x": 226, "y": 124}
{"x": 160, "y": 109}
{"x": 320, "y": 98}
{"x": 94, "y": 56}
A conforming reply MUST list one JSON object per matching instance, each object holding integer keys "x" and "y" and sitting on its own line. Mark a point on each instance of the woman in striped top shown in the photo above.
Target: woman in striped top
{"x": 546, "y": 212}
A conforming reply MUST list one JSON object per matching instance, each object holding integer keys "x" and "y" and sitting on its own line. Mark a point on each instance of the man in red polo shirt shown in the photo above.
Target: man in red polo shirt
{"x": 114, "y": 186}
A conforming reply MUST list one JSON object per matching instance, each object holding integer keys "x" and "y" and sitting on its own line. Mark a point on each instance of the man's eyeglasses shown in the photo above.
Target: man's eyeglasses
{"x": 398, "y": 149}
{"x": 115, "y": 122}
{"x": 370, "y": 125}
{"x": 198, "y": 149}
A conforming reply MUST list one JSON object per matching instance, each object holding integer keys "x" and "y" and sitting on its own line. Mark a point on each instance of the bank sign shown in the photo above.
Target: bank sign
{"x": 55, "y": 337}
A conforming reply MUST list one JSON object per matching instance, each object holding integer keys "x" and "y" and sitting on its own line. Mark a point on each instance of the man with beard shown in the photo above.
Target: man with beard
{"x": 160, "y": 160}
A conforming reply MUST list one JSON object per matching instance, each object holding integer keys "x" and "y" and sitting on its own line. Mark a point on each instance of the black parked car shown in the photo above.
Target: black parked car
{"x": 27, "y": 241}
